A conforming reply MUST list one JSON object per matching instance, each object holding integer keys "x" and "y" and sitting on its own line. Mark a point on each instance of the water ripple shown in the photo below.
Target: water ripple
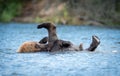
{"x": 105, "y": 61}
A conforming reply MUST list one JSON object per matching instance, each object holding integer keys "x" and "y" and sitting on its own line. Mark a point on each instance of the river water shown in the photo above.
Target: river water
{"x": 105, "y": 61}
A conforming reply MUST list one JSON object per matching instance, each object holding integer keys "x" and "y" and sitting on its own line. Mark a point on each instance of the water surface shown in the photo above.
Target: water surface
{"x": 105, "y": 61}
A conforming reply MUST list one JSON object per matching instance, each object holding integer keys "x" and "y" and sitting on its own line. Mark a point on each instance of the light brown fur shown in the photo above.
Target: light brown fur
{"x": 30, "y": 47}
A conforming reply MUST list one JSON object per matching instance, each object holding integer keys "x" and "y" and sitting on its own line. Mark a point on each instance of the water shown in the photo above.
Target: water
{"x": 105, "y": 61}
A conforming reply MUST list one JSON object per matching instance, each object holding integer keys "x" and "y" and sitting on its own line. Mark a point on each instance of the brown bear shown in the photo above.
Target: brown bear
{"x": 54, "y": 44}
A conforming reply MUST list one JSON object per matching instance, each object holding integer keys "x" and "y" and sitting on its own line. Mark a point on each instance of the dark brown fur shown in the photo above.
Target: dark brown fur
{"x": 54, "y": 44}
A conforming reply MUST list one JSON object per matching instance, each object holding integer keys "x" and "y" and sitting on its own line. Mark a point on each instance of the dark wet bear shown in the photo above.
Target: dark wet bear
{"x": 55, "y": 44}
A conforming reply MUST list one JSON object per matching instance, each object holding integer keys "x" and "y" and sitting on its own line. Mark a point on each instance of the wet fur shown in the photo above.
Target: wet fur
{"x": 29, "y": 47}
{"x": 32, "y": 46}
{"x": 54, "y": 44}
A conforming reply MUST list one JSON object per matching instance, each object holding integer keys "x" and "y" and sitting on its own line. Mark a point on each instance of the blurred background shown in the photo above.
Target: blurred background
{"x": 78, "y": 12}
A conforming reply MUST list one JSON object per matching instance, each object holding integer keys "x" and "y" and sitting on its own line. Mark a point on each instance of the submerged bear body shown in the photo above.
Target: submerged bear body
{"x": 30, "y": 46}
